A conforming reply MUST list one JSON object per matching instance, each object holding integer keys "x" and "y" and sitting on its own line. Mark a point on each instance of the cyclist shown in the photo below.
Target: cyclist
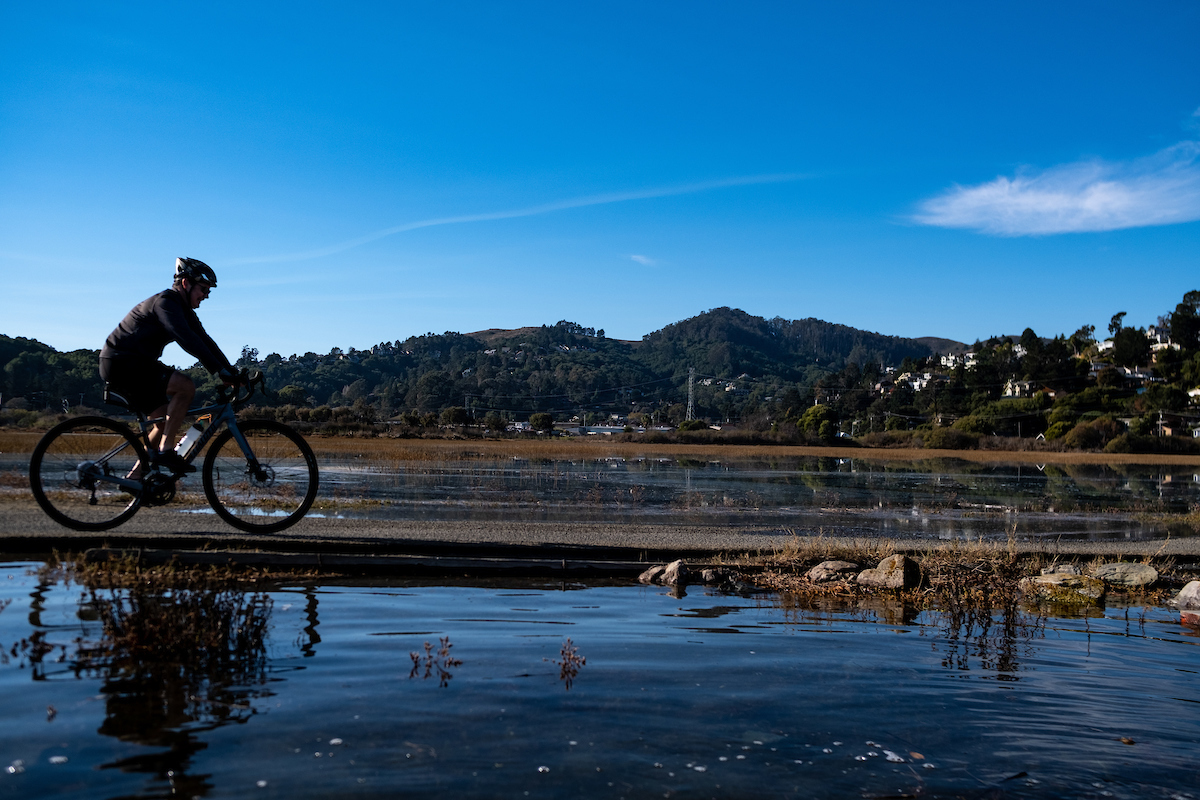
{"x": 129, "y": 360}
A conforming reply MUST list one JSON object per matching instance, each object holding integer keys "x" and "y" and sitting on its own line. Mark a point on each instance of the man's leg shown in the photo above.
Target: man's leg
{"x": 180, "y": 393}
{"x": 153, "y": 435}
{"x": 156, "y": 429}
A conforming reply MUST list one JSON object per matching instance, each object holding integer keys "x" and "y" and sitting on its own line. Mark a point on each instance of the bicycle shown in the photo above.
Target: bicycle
{"x": 92, "y": 473}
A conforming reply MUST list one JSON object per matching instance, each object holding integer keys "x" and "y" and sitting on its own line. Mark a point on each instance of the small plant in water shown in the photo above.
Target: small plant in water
{"x": 570, "y": 664}
{"x": 439, "y": 662}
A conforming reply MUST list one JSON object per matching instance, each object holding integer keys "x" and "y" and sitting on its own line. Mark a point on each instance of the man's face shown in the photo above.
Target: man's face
{"x": 197, "y": 292}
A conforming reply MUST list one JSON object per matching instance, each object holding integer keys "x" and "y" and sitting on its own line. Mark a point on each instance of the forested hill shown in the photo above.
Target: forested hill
{"x": 727, "y": 342}
{"x": 558, "y": 368}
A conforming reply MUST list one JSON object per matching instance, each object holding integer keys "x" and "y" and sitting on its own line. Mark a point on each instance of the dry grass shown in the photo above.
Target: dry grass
{"x": 954, "y": 575}
{"x": 12, "y": 441}
{"x": 129, "y": 571}
{"x": 593, "y": 448}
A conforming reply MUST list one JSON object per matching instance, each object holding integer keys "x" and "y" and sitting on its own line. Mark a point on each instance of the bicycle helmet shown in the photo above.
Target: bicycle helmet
{"x": 195, "y": 271}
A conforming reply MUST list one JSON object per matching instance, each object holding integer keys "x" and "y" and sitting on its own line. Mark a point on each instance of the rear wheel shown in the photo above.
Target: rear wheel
{"x": 74, "y": 468}
{"x": 268, "y": 492}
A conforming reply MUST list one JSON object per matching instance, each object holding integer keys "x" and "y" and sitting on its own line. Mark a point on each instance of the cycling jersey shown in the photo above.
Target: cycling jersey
{"x": 156, "y": 322}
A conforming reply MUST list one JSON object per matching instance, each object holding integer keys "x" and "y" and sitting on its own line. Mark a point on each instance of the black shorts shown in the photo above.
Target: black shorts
{"x": 142, "y": 383}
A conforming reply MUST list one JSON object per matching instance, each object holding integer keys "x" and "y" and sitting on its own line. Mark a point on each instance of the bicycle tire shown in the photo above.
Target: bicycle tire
{"x": 64, "y": 467}
{"x": 269, "y": 499}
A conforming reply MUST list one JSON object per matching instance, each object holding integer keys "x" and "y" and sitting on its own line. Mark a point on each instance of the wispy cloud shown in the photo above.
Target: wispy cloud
{"x": 645, "y": 261}
{"x": 529, "y": 211}
{"x": 1161, "y": 189}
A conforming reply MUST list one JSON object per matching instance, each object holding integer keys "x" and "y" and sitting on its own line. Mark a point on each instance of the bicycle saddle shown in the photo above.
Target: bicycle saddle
{"x": 112, "y": 398}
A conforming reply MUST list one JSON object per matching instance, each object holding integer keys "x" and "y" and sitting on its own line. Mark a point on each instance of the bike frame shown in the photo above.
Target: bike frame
{"x": 222, "y": 413}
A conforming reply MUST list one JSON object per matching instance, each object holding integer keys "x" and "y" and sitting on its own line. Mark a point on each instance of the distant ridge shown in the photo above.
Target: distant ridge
{"x": 496, "y": 334}
{"x": 737, "y": 357}
{"x": 942, "y": 346}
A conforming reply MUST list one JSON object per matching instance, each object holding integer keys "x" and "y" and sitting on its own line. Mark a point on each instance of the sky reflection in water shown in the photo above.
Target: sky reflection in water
{"x": 700, "y": 695}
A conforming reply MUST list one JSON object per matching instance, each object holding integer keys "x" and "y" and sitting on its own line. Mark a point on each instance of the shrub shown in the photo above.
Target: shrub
{"x": 1133, "y": 443}
{"x": 972, "y": 423}
{"x": 1057, "y": 430}
{"x": 889, "y": 439}
{"x": 1093, "y": 435}
{"x": 950, "y": 439}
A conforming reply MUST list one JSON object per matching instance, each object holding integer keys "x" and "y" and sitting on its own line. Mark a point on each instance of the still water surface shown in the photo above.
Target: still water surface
{"x": 942, "y": 498}
{"x": 704, "y": 695}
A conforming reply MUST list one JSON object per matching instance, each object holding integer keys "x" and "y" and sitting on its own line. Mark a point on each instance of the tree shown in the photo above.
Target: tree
{"x": 1185, "y": 322}
{"x": 249, "y": 356}
{"x": 813, "y": 418}
{"x": 454, "y": 415}
{"x": 293, "y": 394}
{"x": 1081, "y": 338}
{"x": 432, "y": 391}
{"x": 1114, "y": 325}
{"x": 1131, "y": 347}
{"x": 541, "y": 421}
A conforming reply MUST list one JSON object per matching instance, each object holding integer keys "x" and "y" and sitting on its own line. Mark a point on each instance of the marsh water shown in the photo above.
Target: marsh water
{"x": 936, "y": 498}
{"x": 604, "y": 690}
{"x": 944, "y": 498}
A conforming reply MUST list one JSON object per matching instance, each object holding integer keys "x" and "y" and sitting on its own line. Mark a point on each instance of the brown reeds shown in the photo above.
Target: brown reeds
{"x": 439, "y": 663}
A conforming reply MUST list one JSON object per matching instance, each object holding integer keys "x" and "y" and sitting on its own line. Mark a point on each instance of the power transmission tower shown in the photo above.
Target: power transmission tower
{"x": 691, "y": 409}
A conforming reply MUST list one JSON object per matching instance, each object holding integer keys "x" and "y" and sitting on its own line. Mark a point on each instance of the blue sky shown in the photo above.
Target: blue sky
{"x": 362, "y": 172}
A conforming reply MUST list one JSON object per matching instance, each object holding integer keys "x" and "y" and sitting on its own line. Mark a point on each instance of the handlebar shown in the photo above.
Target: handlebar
{"x": 248, "y": 379}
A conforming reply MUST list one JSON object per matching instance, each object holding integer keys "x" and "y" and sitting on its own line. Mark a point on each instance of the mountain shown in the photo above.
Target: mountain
{"x": 558, "y": 368}
{"x": 11, "y": 347}
{"x": 726, "y": 342}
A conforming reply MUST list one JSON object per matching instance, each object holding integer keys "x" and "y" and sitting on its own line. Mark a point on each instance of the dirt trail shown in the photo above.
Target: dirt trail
{"x": 25, "y": 529}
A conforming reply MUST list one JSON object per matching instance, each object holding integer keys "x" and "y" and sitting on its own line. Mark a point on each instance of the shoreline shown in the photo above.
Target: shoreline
{"x": 414, "y": 449}
{"x": 24, "y": 528}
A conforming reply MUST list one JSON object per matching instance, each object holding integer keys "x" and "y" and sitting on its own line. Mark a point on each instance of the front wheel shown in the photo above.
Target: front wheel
{"x": 74, "y": 470}
{"x": 267, "y": 489}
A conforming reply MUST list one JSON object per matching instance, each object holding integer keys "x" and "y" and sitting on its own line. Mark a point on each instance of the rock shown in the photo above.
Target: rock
{"x": 1064, "y": 588}
{"x": 830, "y": 570}
{"x": 894, "y": 572}
{"x": 1126, "y": 573}
{"x": 652, "y": 574}
{"x": 1188, "y": 597}
{"x": 710, "y": 576}
{"x": 1062, "y": 569}
{"x": 675, "y": 574}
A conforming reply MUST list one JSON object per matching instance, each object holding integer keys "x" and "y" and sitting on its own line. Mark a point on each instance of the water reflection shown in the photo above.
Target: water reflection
{"x": 949, "y": 498}
{"x": 991, "y": 632}
{"x": 812, "y": 698}
{"x": 174, "y": 664}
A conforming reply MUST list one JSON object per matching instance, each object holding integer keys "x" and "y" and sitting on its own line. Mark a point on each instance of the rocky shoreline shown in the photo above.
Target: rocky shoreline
{"x": 996, "y": 582}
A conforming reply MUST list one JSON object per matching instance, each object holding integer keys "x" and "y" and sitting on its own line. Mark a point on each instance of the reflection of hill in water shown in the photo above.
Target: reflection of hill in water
{"x": 799, "y": 492}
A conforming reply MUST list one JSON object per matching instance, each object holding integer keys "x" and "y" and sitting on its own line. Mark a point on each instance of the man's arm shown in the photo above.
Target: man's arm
{"x": 184, "y": 327}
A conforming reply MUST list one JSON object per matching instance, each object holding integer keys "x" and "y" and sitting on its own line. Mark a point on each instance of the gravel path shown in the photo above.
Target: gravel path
{"x": 25, "y": 529}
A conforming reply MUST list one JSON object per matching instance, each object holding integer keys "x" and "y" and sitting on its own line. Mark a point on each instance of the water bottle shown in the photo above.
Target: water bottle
{"x": 184, "y": 448}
